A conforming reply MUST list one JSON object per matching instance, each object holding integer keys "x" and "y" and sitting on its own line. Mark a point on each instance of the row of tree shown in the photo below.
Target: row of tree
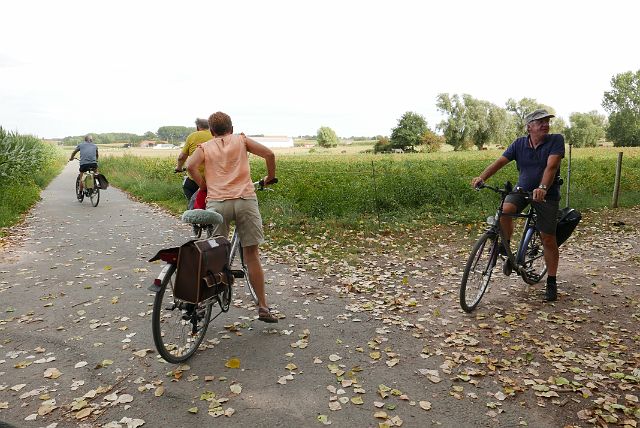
{"x": 172, "y": 134}
{"x": 472, "y": 122}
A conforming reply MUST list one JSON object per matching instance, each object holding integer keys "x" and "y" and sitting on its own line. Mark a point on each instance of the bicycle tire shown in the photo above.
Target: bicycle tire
{"x": 247, "y": 281}
{"x": 478, "y": 271}
{"x": 236, "y": 262}
{"x": 94, "y": 195}
{"x": 531, "y": 257}
{"x": 172, "y": 326}
{"x": 79, "y": 194}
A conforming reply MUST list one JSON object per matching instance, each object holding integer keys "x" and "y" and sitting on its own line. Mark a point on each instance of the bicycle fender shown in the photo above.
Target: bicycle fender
{"x": 523, "y": 246}
{"x": 155, "y": 286}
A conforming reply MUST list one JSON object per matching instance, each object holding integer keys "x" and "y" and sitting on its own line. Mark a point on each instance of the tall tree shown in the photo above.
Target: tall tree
{"x": 472, "y": 121}
{"x": 409, "y": 132}
{"x": 326, "y": 137}
{"x": 586, "y": 129}
{"x": 454, "y": 127}
{"x": 623, "y": 105}
{"x": 173, "y": 133}
{"x": 522, "y": 108}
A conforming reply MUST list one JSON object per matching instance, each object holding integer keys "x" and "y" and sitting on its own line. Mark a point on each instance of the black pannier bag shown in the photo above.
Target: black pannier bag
{"x": 568, "y": 219}
{"x": 202, "y": 269}
{"x": 102, "y": 182}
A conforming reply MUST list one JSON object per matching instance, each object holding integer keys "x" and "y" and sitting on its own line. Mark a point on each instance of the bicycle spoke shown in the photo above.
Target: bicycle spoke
{"x": 178, "y": 327}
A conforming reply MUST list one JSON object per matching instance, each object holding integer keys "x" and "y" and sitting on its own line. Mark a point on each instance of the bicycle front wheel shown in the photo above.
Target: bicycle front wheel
{"x": 94, "y": 196}
{"x": 478, "y": 270}
{"x": 531, "y": 257}
{"x": 178, "y": 326}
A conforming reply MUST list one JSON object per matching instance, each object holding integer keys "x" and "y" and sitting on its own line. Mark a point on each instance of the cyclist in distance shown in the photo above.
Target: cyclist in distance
{"x": 538, "y": 156}
{"x": 202, "y": 134}
{"x": 230, "y": 192}
{"x": 88, "y": 157}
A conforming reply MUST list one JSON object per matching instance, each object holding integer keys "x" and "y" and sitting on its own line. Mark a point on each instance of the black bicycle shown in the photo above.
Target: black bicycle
{"x": 492, "y": 246}
{"x": 90, "y": 186}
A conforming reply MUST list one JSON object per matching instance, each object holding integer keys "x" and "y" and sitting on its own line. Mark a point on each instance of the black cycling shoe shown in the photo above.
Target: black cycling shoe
{"x": 551, "y": 294}
{"x": 507, "y": 269}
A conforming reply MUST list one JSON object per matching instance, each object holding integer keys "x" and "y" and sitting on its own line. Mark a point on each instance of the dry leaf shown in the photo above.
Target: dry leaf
{"x": 233, "y": 363}
{"x": 425, "y": 405}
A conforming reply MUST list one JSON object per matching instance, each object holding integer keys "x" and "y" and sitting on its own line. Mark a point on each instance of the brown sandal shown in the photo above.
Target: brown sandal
{"x": 265, "y": 315}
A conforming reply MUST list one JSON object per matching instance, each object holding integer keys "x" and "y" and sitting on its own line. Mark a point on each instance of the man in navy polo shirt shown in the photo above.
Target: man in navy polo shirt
{"x": 538, "y": 157}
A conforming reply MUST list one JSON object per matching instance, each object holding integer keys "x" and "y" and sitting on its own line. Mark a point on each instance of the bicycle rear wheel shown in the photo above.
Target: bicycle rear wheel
{"x": 237, "y": 263}
{"x": 478, "y": 270}
{"x": 79, "y": 194}
{"x": 531, "y": 257}
{"x": 178, "y": 326}
{"x": 94, "y": 195}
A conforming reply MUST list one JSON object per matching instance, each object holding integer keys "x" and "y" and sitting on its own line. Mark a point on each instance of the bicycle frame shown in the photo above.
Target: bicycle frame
{"x": 517, "y": 259}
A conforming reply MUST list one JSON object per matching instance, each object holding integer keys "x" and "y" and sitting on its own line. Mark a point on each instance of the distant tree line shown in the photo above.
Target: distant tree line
{"x": 172, "y": 134}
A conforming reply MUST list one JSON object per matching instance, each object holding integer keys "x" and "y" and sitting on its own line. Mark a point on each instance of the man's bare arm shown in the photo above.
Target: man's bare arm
{"x": 490, "y": 170}
{"x": 196, "y": 159}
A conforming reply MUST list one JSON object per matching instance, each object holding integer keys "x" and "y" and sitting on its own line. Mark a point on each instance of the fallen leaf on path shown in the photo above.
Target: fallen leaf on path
{"x": 233, "y": 363}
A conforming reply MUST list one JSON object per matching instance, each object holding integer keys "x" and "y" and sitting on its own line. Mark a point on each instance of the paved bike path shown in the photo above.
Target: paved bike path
{"x": 76, "y": 321}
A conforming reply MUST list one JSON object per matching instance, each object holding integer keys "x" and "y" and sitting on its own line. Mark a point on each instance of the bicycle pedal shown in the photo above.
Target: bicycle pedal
{"x": 186, "y": 316}
{"x": 237, "y": 273}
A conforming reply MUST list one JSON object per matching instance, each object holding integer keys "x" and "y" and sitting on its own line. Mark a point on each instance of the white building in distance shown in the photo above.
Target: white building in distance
{"x": 274, "y": 141}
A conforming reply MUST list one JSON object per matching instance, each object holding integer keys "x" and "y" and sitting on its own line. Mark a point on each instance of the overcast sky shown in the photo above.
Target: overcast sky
{"x": 289, "y": 67}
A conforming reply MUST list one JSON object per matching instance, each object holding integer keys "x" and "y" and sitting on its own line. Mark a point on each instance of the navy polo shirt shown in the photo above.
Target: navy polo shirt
{"x": 531, "y": 162}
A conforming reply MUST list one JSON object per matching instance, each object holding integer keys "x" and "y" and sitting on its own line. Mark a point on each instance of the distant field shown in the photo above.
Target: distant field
{"x": 118, "y": 150}
{"x": 351, "y": 186}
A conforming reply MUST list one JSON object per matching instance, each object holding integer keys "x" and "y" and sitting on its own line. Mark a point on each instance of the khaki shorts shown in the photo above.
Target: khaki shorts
{"x": 547, "y": 212}
{"x": 247, "y": 218}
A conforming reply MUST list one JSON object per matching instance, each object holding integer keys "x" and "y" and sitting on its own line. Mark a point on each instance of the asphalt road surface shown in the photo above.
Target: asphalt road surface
{"x": 76, "y": 346}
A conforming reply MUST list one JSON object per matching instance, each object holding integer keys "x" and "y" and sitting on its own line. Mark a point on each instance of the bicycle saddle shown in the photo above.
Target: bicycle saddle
{"x": 201, "y": 217}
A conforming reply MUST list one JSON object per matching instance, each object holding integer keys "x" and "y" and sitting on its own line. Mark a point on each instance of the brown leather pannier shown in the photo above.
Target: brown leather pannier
{"x": 202, "y": 269}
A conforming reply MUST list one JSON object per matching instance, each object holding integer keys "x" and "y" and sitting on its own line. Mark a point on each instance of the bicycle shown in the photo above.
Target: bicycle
{"x": 178, "y": 326}
{"x": 528, "y": 262}
{"x": 91, "y": 187}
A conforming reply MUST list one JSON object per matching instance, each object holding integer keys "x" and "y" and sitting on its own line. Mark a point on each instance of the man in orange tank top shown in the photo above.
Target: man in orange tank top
{"x": 230, "y": 192}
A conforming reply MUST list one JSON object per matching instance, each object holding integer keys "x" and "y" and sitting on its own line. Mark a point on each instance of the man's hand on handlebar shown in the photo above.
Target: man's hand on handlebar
{"x": 539, "y": 195}
{"x": 266, "y": 182}
{"x": 477, "y": 183}
{"x": 177, "y": 170}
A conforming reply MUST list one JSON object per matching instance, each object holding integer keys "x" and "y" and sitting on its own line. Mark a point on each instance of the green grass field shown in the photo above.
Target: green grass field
{"x": 351, "y": 187}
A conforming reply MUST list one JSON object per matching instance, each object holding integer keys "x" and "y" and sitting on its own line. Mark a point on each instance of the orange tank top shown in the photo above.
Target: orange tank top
{"x": 226, "y": 168}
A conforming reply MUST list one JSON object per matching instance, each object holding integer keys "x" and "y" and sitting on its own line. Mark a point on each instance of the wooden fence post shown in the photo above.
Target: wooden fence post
{"x": 616, "y": 185}
{"x": 375, "y": 191}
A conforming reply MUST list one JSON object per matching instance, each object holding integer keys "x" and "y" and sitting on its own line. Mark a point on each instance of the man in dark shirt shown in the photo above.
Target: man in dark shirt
{"x": 88, "y": 157}
{"x": 538, "y": 157}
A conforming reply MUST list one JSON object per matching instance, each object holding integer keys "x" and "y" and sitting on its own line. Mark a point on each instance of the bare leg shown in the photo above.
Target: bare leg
{"x": 80, "y": 176}
{"x": 506, "y": 221}
{"x": 256, "y": 274}
{"x": 551, "y": 253}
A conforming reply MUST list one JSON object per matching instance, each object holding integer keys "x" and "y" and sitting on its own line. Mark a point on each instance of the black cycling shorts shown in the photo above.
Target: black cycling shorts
{"x": 88, "y": 166}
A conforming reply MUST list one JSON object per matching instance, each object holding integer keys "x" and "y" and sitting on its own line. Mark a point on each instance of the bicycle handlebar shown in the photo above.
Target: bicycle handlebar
{"x": 260, "y": 184}
{"x": 507, "y": 190}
